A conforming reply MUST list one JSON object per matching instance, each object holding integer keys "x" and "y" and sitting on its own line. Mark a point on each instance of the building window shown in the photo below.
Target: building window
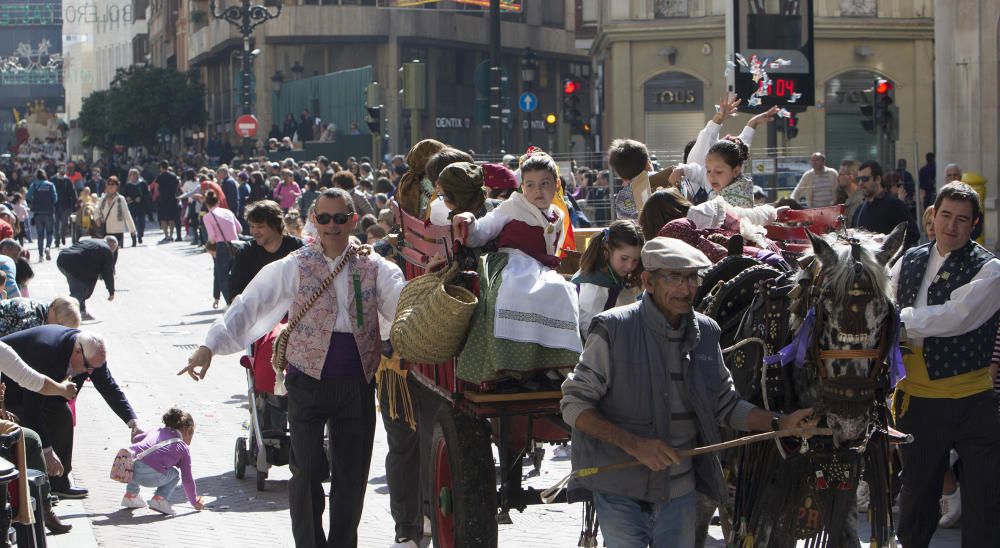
{"x": 664, "y": 9}
{"x": 859, "y": 8}
{"x": 553, "y": 14}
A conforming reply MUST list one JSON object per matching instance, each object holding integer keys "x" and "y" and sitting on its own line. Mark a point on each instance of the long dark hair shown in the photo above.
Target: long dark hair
{"x": 662, "y": 207}
{"x": 598, "y": 254}
{"x": 732, "y": 150}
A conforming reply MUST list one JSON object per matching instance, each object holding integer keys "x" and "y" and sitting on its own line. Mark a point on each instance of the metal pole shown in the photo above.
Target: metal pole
{"x": 772, "y": 152}
{"x": 245, "y": 68}
{"x": 495, "y": 91}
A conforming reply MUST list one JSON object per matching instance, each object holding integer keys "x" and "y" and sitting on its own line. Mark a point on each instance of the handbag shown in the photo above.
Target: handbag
{"x": 123, "y": 468}
{"x": 101, "y": 230}
{"x": 432, "y": 318}
{"x": 228, "y": 245}
{"x": 278, "y": 360}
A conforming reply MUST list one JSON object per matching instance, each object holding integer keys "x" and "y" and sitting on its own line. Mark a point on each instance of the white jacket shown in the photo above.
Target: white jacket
{"x": 113, "y": 215}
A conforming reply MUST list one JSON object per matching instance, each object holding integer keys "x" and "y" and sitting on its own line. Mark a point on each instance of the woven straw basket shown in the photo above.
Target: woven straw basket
{"x": 432, "y": 318}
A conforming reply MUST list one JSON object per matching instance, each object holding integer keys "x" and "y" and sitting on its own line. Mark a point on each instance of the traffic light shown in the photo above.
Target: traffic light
{"x": 571, "y": 104}
{"x": 792, "y": 126}
{"x": 868, "y": 120}
{"x": 884, "y": 109}
{"x": 374, "y": 119}
{"x": 550, "y": 122}
{"x": 586, "y": 128}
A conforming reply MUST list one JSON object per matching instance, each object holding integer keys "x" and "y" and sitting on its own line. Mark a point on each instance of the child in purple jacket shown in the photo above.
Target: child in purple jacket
{"x": 159, "y": 468}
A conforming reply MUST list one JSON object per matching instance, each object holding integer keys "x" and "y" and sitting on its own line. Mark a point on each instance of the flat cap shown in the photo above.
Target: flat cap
{"x": 662, "y": 253}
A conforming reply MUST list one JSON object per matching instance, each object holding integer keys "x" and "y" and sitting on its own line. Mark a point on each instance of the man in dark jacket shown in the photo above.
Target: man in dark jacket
{"x": 65, "y": 206}
{"x": 231, "y": 189}
{"x": 880, "y": 212}
{"x": 267, "y": 226}
{"x": 60, "y": 352}
{"x": 83, "y": 263}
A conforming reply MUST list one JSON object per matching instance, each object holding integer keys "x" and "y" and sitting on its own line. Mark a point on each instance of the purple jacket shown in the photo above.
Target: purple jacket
{"x": 175, "y": 454}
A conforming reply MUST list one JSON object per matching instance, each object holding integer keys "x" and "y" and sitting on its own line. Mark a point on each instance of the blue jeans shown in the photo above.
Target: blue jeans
{"x": 628, "y": 523}
{"x": 144, "y": 476}
{"x": 44, "y": 223}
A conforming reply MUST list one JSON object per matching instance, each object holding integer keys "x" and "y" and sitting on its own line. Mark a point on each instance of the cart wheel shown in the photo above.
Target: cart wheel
{"x": 261, "y": 480}
{"x": 464, "y": 482}
{"x": 240, "y": 459}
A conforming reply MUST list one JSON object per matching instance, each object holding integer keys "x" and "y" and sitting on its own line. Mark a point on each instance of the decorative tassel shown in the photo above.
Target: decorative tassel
{"x": 820, "y": 480}
{"x": 391, "y": 380}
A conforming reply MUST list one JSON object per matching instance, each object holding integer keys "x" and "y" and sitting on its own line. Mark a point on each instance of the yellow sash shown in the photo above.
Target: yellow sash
{"x": 918, "y": 383}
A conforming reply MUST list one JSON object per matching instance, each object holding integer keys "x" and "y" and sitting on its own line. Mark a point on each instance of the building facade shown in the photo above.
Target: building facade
{"x": 662, "y": 65}
{"x": 312, "y": 38}
{"x": 966, "y": 102}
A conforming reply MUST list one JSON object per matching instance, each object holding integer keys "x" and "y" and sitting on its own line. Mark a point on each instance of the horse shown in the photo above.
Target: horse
{"x": 836, "y": 326}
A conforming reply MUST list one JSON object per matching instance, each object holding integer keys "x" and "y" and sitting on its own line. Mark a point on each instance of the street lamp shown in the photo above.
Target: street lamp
{"x": 297, "y": 69}
{"x": 246, "y": 17}
{"x": 529, "y": 69}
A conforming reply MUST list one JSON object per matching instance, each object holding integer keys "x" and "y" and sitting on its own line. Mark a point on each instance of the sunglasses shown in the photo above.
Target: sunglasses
{"x": 863, "y": 178}
{"x": 337, "y": 218}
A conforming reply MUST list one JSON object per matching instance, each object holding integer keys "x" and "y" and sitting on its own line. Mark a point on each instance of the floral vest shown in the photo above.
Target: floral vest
{"x": 309, "y": 342}
{"x": 949, "y": 356}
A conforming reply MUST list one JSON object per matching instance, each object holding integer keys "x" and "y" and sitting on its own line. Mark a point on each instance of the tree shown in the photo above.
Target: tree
{"x": 93, "y": 120}
{"x": 142, "y": 103}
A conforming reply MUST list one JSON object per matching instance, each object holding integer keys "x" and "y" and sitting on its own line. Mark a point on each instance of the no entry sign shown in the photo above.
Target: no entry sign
{"x": 246, "y": 126}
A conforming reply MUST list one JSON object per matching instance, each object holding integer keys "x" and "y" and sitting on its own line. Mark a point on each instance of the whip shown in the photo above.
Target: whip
{"x": 550, "y": 494}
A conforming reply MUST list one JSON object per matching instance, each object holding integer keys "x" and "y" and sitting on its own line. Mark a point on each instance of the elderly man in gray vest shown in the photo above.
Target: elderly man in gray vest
{"x": 651, "y": 382}
{"x": 948, "y": 294}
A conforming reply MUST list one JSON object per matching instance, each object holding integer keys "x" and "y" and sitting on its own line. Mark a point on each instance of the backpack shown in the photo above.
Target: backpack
{"x": 122, "y": 469}
{"x": 44, "y": 199}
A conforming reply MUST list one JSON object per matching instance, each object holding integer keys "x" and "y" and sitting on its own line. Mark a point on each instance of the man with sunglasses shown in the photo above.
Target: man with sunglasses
{"x": 332, "y": 356}
{"x": 880, "y": 211}
{"x": 59, "y": 353}
{"x": 650, "y": 382}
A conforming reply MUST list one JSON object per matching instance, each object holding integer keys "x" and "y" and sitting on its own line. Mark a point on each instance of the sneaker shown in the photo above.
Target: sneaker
{"x": 951, "y": 508}
{"x": 133, "y": 501}
{"x": 85, "y": 316}
{"x": 161, "y": 505}
{"x": 427, "y": 526}
{"x": 405, "y": 543}
{"x": 562, "y": 452}
{"x": 863, "y": 497}
{"x": 48, "y": 255}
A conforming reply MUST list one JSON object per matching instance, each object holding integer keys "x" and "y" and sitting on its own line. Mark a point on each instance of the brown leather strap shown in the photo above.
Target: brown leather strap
{"x": 869, "y": 353}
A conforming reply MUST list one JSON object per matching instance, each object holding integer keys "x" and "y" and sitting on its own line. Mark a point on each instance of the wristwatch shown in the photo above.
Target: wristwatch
{"x": 775, "y": 422}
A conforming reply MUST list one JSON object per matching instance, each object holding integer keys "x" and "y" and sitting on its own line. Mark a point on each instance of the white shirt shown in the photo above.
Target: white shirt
{"x": 969, "y": 306}
{"x": 14, "y": 367}
{"x": 819, "y": 189}
{"x": 694, "y": 170}
{"x": 271, "y": 293}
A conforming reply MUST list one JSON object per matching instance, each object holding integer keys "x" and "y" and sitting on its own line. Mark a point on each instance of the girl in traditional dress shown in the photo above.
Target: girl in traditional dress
{"x": 528, "y": 317}
{"x": 609, "y": 271}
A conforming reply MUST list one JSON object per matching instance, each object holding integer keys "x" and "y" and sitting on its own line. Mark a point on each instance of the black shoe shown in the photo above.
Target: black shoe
{"x": 70, "y": 492}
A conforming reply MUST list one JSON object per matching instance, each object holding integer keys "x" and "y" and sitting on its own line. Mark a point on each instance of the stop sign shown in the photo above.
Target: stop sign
{"x": 246, "y": 126}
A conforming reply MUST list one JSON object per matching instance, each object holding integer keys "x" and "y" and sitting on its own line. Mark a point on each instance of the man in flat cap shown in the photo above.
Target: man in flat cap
{"x": 651, "y": 382}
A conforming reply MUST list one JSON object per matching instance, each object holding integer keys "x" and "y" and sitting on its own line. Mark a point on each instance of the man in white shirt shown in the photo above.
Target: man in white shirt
{"x": 332, "y": 356}
{"x": 947, "y": 292}
{"x": 818, "y": 185}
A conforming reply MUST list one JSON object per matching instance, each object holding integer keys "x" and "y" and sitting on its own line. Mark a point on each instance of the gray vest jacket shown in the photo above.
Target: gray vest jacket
{"x": 636, "y": 400}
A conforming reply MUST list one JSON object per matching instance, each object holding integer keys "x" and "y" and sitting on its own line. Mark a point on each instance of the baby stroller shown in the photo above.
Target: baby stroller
{"x": 269, "y": 442}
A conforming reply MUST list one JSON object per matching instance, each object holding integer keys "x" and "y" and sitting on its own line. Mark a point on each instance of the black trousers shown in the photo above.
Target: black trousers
{"x": 347, "y": 407}
{"x": 58, "y": 421}
{"x": 81, "y": 290}
{"x": 139, "y": 216}
{"x": 971, "y": 426}
{"x": 406, "y": 479}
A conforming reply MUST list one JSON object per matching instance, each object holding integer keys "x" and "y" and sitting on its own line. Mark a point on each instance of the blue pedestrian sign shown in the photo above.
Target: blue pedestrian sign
{"x": 527, "y": 101}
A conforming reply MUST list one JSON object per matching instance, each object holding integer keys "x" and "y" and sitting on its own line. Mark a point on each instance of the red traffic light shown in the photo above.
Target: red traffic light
{"x": 883, "y": 87}
{"x": 570, "y": 87}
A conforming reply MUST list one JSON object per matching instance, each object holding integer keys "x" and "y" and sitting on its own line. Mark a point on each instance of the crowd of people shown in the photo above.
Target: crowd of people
{"x": 309, "y": 243}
